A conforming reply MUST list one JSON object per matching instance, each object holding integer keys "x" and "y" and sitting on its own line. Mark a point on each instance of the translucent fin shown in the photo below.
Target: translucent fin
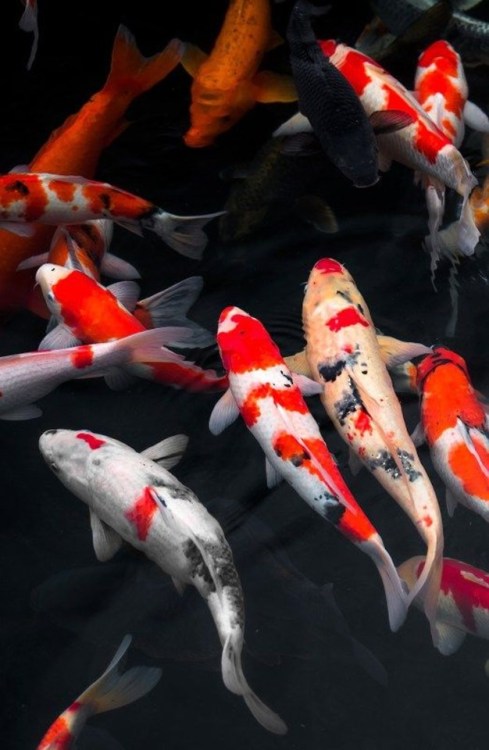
{"x": 106, "y": 541}
{"x": 184, "y": 234}
{"x": 224, "y": 413}
{"x": 168, "y": 452}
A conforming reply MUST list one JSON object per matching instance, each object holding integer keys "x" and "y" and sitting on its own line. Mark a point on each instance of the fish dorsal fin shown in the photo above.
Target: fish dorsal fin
{"x": 224, "y": 413}
{"x": 168, "y": 452}
{"x": 106, "y": 541}
{"x": 58, "y": 337}
{"x": 126, "y": 292}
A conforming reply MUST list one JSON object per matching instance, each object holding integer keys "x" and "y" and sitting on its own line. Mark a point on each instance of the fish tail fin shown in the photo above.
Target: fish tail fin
{"x": 235, "y": 681}
{"x": 130, "y": 70}
{"x": 396, "y": 598}
{"x": 184, "y": 234}
{"x": 169, "y": 308}
{"x": 429, "y": 584}
{"x": 114, "y": 689}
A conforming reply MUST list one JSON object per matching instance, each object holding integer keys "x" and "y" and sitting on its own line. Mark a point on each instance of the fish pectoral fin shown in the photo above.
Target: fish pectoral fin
{"x": 58, "y": 337}
{"x": 274, "y": 40}
{"x": 298, "y": 123}
{"x": 116, "y": 268}
{"x": 451, "y": 502}
{"x": 179, "y": 585}
{"x": 126, "y": 292}
{"x": 168, "y": 452}
{"x": 224, "y": 413}
{"x": 23, "y": 230}
{"x": 385, "y": 161}
{"x": 119, "y": 379}
{"x": 475, "y": 117}
{"x": 273, "y": 476}
{"x": 385, "y": 121}
{"x": 307, "y": 386}
{"x": 354, "y": 463}
{"x": 28, "y": 411}
{"x": 33, "y": 261}
{"x": 417, "y": 436}
{"x": 396, "y": 352}
{"x": 298, "y": 364}
{"x": 192, "y": 59}
{"x": 271, "y": 87}
{"x": 449, "y": 638}
{"x": 106, "y": 541}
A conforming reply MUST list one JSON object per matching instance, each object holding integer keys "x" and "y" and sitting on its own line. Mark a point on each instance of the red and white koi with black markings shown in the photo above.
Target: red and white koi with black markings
{"x": 263, "y": 390}
{"x": 113, "y": 689}
{"x": 28, "y": 197}
{"x": 29, "y": 376}
{"x": 463, "y": 602}
{"x": 422, "y": 146}
{"x": 88, "y": 312}
{"x": 455, "y": 425}
{"x": 358, "y": 395}
{"x": 133, "y": 497}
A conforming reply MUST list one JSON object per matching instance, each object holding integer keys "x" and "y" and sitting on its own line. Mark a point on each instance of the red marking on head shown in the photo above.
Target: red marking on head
{"x": 247, "y": 346}
{"x": 439, "y": 51}
{"x": 290, "y": 399}
{"x": 363, "y": 423}
{"x": 64, "y": 190}
{"x": 328, "y": 265}
{"x": 82, "y": 356}
{"x": 142, "y": 512}
{"x": 347, "y": 317}
{"x": 91, "y": 440}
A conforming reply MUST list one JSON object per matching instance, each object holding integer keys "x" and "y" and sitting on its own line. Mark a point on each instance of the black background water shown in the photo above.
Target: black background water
{"x": 63, "y": 613}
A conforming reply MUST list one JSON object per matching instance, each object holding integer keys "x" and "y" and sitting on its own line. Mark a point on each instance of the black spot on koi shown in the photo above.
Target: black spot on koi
{"x": 198, "y": 568}
{"x": 386, "y": 461}
{"x": 348, "y": 404}
{"x": 18, "y": 187}
{"x": 406, "y": 461}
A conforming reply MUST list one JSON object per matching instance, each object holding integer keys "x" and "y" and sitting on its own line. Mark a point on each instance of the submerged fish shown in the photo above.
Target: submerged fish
{"x": 113, "y": 689}
{"x": 135, "y": 499}
{"x": 28, "y": 22}
{"x": 263, "y": 390}
{"x": 463, "y": 602}
{"x": 226, "y": 82}
{"x": 88, "y": 312}
{"x": 470, "y": 37}
{"x": 359, "y": 398}
{"x": 455, "y": 425}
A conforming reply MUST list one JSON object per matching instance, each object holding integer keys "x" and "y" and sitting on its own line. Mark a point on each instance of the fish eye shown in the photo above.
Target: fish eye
{"x": 54, "y": 466}
{"x": 50, "y": 296}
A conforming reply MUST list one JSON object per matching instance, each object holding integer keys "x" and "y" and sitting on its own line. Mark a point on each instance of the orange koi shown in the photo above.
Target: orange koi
{"x": 227, "y": 83}
{"x": 113, "y": 689}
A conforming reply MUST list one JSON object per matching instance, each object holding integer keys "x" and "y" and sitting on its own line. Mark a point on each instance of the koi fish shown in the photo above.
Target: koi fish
{"x": 263, "y": 390}
{"x": 89, "y": 312}
{"x": 441, "y": 88}
{"x": 463, "y": 602}
{"x": 455, "y": 425}
{"x": 28, "y": 22}
{"x": 113, "y": 689}
{"x": 470, "y": 37}
{"x": 75, "y": 147}
{"x": 359, "y": 398}
{"x": 29, "y": 376}
{"x": 34, "y": 197}
{"x": 227, "y": 83}
{"x": 422, "y": 146}
{"x": 133, "y": 497}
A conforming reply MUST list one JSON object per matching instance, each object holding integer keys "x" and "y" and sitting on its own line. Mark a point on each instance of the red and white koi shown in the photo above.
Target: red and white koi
{"x": 463, "y": 602}
{"x": 113, "y": 689}
{"x": 455, "y": 425}
{"x": 133, "y": 497}
{"x": 28, "y": 197}
{"x": 89, "y": 312}
{"x": 422, "y": 146}
{"x": 29, "y": 376}
{"x": 358, "y": 395}
{"x": 263, "y": 390}
{"x": 28, "y": 22}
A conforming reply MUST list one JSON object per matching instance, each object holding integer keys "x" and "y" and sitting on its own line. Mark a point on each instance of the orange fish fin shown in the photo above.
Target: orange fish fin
{"x": 131, "y": 70}
{"x": 192, "y": 59}
{"x": 273, "y": 87}
{"x": 298, "y": 363}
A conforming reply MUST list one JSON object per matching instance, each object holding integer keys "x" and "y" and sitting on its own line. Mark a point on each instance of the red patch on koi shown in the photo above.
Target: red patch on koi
{"x": 91, "y": 440}
{"x": 363, "y": 422}
{"x": 328, "y": 265}
{"x": 347, "y": 317}
{"x": 28, "y": 190}
{"x": 248, "y": 346}
{"x": 64, "y": 191}
{"x": 468, "y": 471}
{"x": 289, "y": 398}
{"x": 427, "y": 520}
{"x": 142, "y": 512}
{"x": 82, "y": 356}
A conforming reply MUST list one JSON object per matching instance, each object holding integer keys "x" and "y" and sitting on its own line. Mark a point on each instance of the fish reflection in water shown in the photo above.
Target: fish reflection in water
{"x": 288, "y": 616}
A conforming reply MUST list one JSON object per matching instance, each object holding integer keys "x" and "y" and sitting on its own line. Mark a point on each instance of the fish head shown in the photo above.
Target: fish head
{"x": 49, "y": 276}
{"x": 68, "y": 454}
{"x": 437, "y": 53}
{"x": 410, "y": 570}
{"x": 441, "y": 356}
{"x": 244, "y": 343}
{"x": 329, "y": 285}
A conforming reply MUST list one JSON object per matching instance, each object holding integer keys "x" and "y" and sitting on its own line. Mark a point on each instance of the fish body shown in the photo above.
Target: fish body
{"x": 263, "y": 390}
{"x": 357, "y": 393}
{"x": 135, "y": 499}
{"x": 470, "y": 37}
{"x": 88, "y": 312}
{"x": 28, "y": 376}
{"x": 227, "y": 83}
{"x": 75, "y": 147}
{"x": 329, "y": 102}
{"x": 455, "y": 425}
{"x": 463, "y": 602}
{"x": 422, "y": 146}
{"x": 113, "y": 689}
